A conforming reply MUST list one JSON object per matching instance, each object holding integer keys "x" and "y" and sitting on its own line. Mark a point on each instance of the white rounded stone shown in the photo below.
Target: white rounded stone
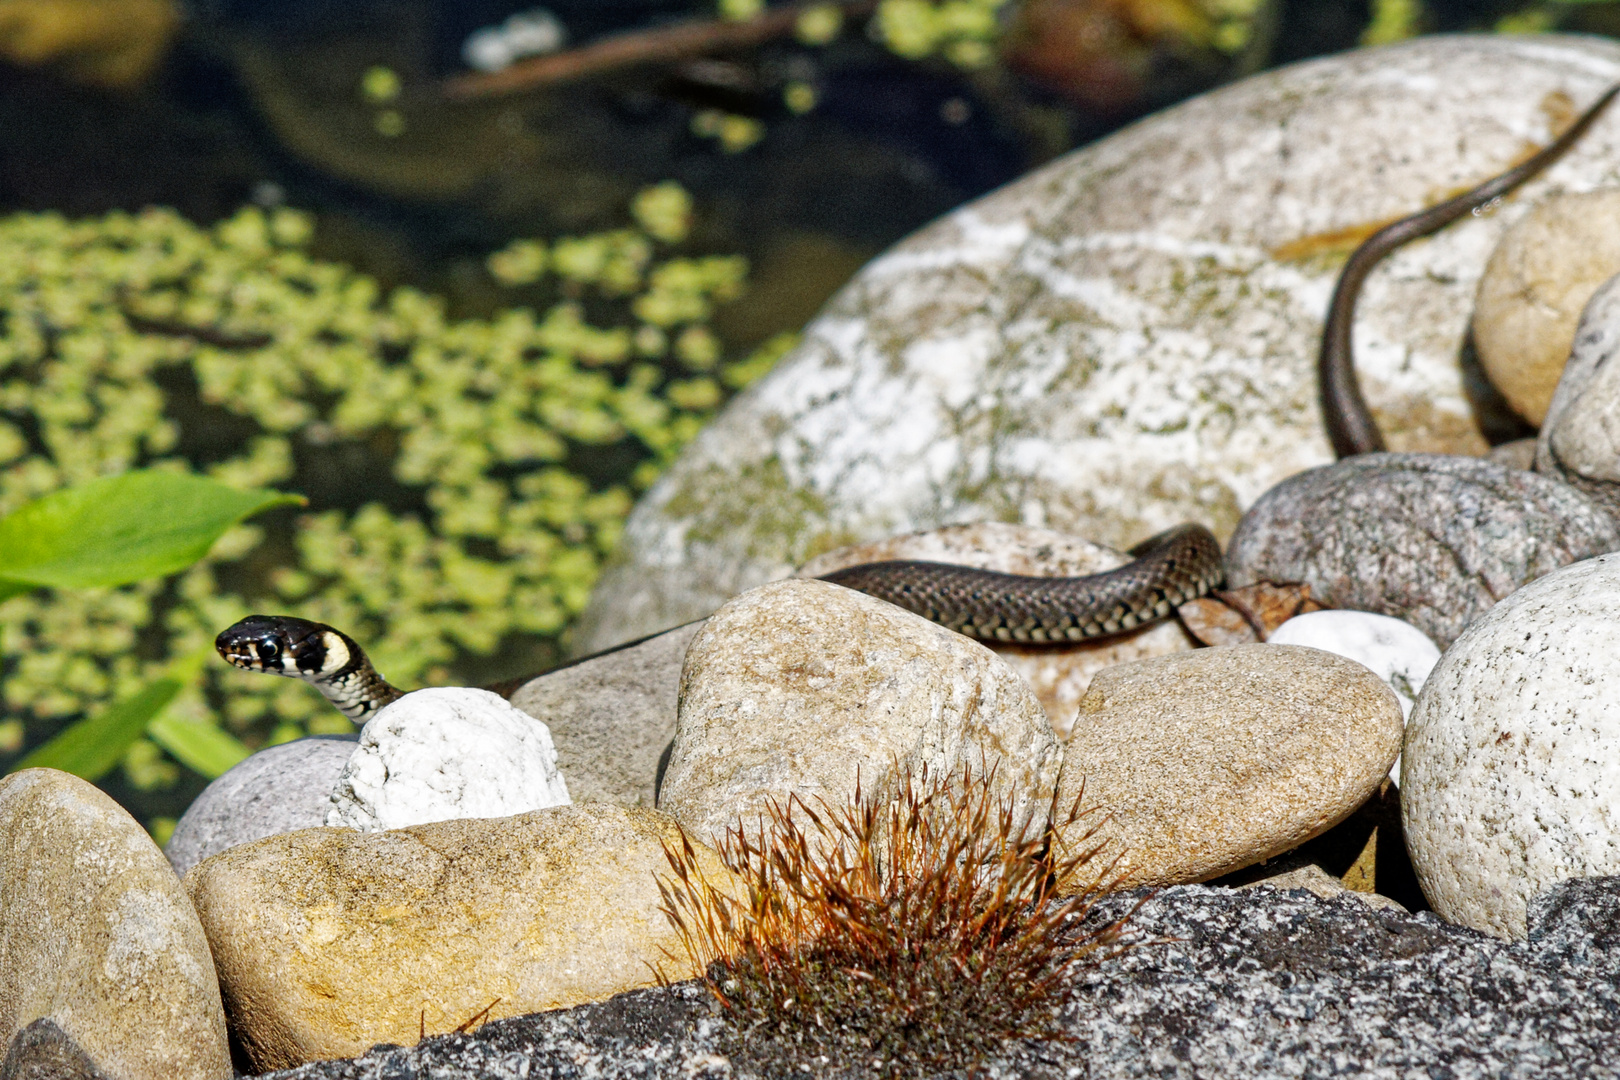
{"x": 1512, "y": 757}
{"x": 443, "y": 754}
{"x": 1396, "y": 651}
{"x": 1125, "y": 339}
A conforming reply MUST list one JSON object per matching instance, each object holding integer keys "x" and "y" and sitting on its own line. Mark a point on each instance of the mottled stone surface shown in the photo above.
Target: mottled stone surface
{"x": 97, "y": 937}
{"x": 1125, "y": 339}
{"x": 1059, "y": 674}
{"x": 612, "y": 716}
{"x": 801, "y": 687}
{"x": 1542, "y": 273}
{"x": 1433, "y": 540}
{"x": 448, "y": 752}
{"x": 1264, "y": 984}
{"x": 1209, "y": 761}
{"x": 276, "y": 790}
{"x": 1511, "y": 756}
{"x": 328, "y": 940}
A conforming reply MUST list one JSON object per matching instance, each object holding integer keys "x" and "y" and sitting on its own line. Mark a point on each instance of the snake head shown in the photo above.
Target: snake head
{"x": 282, "y": 645}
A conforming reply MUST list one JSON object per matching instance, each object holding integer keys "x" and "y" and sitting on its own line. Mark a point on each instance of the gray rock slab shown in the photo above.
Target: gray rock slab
{"x": 99, "y": 939}
{"x": 611, "y": 716}
{"x": 1258, "y": 984}
{"x": 276, "y": 790}
{"x": 1125, "y": 339}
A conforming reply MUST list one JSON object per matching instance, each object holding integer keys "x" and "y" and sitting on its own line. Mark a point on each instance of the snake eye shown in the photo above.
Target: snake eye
{"x": 269, "y": 650}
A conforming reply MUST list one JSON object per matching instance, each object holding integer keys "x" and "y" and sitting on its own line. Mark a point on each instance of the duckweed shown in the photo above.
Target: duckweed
{"x": 446, "y": 459}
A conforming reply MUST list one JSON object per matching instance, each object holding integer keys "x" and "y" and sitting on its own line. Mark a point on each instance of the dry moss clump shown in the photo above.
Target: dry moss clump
{"x": 895, "y": 935}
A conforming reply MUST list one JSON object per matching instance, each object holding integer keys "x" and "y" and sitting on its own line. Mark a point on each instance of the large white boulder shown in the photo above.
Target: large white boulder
{"x": 1126, "y": 338}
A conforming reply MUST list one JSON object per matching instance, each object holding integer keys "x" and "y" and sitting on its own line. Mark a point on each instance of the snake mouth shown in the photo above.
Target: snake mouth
{"x": 240, "y": 656}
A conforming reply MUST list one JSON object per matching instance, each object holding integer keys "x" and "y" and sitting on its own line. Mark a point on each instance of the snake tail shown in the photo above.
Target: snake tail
{"x": 1169, "y": 569}
{"x": 1350, "y": 425}
{"x": 327, "y": 659}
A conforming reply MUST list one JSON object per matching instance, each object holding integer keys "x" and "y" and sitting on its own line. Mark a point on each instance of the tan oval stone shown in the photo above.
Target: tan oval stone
{"x": 329, "y": 940}
{"x": 98, "y": 938}
{"x": 1541, "y": 274}
{"x": 1209, "y": 761}
{"x": 1059, "y": 674}
{"x": 800, "y": 687}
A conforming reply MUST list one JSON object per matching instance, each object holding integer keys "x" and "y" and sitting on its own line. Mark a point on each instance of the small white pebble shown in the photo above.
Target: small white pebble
{"x": 447, "y": 753}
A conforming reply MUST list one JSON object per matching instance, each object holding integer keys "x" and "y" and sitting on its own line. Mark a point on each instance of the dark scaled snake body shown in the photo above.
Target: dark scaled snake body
{"x": 1168, "y": 570}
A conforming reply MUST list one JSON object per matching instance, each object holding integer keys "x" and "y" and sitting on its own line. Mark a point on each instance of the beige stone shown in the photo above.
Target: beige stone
{"x": 97, "y": 936}
{"x": 1059, "y": 674}
{"x": 801, "y": 687}
{"x": 1541, "y": 274}
{"x": 329, "y": 940}
{"x": 1209, "y": 761}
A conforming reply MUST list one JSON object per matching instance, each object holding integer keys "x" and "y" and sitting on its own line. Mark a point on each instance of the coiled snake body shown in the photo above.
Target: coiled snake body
{"x": 1169, "y": 569}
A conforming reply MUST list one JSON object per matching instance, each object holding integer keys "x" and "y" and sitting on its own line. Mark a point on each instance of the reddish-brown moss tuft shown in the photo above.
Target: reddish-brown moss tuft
{"x": 892, "y": 935}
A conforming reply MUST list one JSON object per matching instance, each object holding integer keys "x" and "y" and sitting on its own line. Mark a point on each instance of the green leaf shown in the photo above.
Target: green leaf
{"x": 91, "y": 747}
{"x": 121, "y": 529}
{"x": 201, "y": 747}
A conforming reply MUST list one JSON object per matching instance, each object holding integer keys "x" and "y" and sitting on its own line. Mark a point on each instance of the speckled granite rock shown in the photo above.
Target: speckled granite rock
{"x": 1509, "y": 767}
{"x": 447, "y": 752}
{"x": 1059, "y": 674}
{"x": 1542, "y": 273}
{"x": 328, "y": 941}
{"x": 1433, "y": 540}
{"x": 276, "y": 790}
{"x": 611, "y": 717}
{"x": 97, "y": 938}
{"x": 1125, "y": 339}
{"x": 804, "y": 687}
{"x": 1264, "y": 985}
{"x": 1211, "y": 760}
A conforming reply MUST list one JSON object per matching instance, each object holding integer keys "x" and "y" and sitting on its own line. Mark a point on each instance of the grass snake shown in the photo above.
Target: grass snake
{"x": 1167, "y": 570}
